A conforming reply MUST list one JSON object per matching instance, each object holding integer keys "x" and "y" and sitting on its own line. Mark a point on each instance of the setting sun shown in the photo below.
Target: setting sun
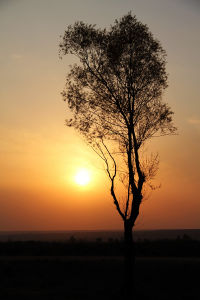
{"x": 82, "y": 177}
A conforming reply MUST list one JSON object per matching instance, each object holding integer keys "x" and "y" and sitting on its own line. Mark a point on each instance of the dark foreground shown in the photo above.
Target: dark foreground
{"x": 54, "y": 277}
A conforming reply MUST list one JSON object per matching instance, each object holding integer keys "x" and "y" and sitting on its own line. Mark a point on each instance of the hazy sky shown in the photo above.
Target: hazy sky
{"x": 39, "y": 155}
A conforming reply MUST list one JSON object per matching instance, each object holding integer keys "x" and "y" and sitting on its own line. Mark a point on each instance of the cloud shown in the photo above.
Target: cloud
{"x": 192, "y": 4}
{"x": 194, "y": 121}
{"x": 16, "y": 56}
{"x": 5, "y": 3}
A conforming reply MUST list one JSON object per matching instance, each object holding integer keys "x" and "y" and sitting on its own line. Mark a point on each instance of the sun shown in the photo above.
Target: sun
{"x": 82, "y": 177}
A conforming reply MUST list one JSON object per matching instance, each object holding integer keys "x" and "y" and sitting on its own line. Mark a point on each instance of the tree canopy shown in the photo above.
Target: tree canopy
{"x": 115, "y": 94}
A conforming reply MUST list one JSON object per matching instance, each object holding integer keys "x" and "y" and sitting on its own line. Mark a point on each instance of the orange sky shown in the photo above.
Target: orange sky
{"x": 39, "y": 156}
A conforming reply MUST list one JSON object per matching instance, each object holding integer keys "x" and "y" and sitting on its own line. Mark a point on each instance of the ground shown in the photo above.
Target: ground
{"x": 75, "y": 278}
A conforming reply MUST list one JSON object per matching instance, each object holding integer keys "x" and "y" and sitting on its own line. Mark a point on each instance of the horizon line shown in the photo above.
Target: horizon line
{"x": 91, "y": 230}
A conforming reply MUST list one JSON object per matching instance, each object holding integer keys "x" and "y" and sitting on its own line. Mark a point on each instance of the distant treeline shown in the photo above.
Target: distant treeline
{"x": 87, "y": 235}
{"x": 181, "y": 247}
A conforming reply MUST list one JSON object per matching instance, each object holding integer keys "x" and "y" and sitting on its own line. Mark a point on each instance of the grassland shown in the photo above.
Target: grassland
{"x": 28, "y": 275}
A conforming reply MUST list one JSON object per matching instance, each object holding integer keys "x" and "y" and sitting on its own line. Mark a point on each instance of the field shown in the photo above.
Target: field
{"x": 60, "y": 277}
{"x": 91, "y": 267}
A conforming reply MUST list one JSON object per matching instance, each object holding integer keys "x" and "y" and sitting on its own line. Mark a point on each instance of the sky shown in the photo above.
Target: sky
{"x": 40, "y": 156}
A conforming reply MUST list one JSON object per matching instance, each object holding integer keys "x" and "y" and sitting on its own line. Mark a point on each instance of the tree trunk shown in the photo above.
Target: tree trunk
{"x": 129, "y": 261}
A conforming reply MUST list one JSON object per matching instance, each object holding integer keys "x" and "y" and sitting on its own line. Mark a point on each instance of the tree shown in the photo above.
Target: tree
{"x": 115, "y": 97}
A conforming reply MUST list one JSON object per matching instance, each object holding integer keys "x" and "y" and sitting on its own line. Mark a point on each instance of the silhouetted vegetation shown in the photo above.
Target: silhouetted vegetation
{"x": 73, "y": 278}
{"x": 180, "y": 247}
{"x": 80, "y": 269}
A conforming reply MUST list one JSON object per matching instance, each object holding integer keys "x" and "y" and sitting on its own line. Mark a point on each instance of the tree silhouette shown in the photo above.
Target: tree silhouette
{"x": 114, "y": 95}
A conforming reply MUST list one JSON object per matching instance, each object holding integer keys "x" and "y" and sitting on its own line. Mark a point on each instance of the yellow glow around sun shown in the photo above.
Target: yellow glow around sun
{"x": 82, "y": 177}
